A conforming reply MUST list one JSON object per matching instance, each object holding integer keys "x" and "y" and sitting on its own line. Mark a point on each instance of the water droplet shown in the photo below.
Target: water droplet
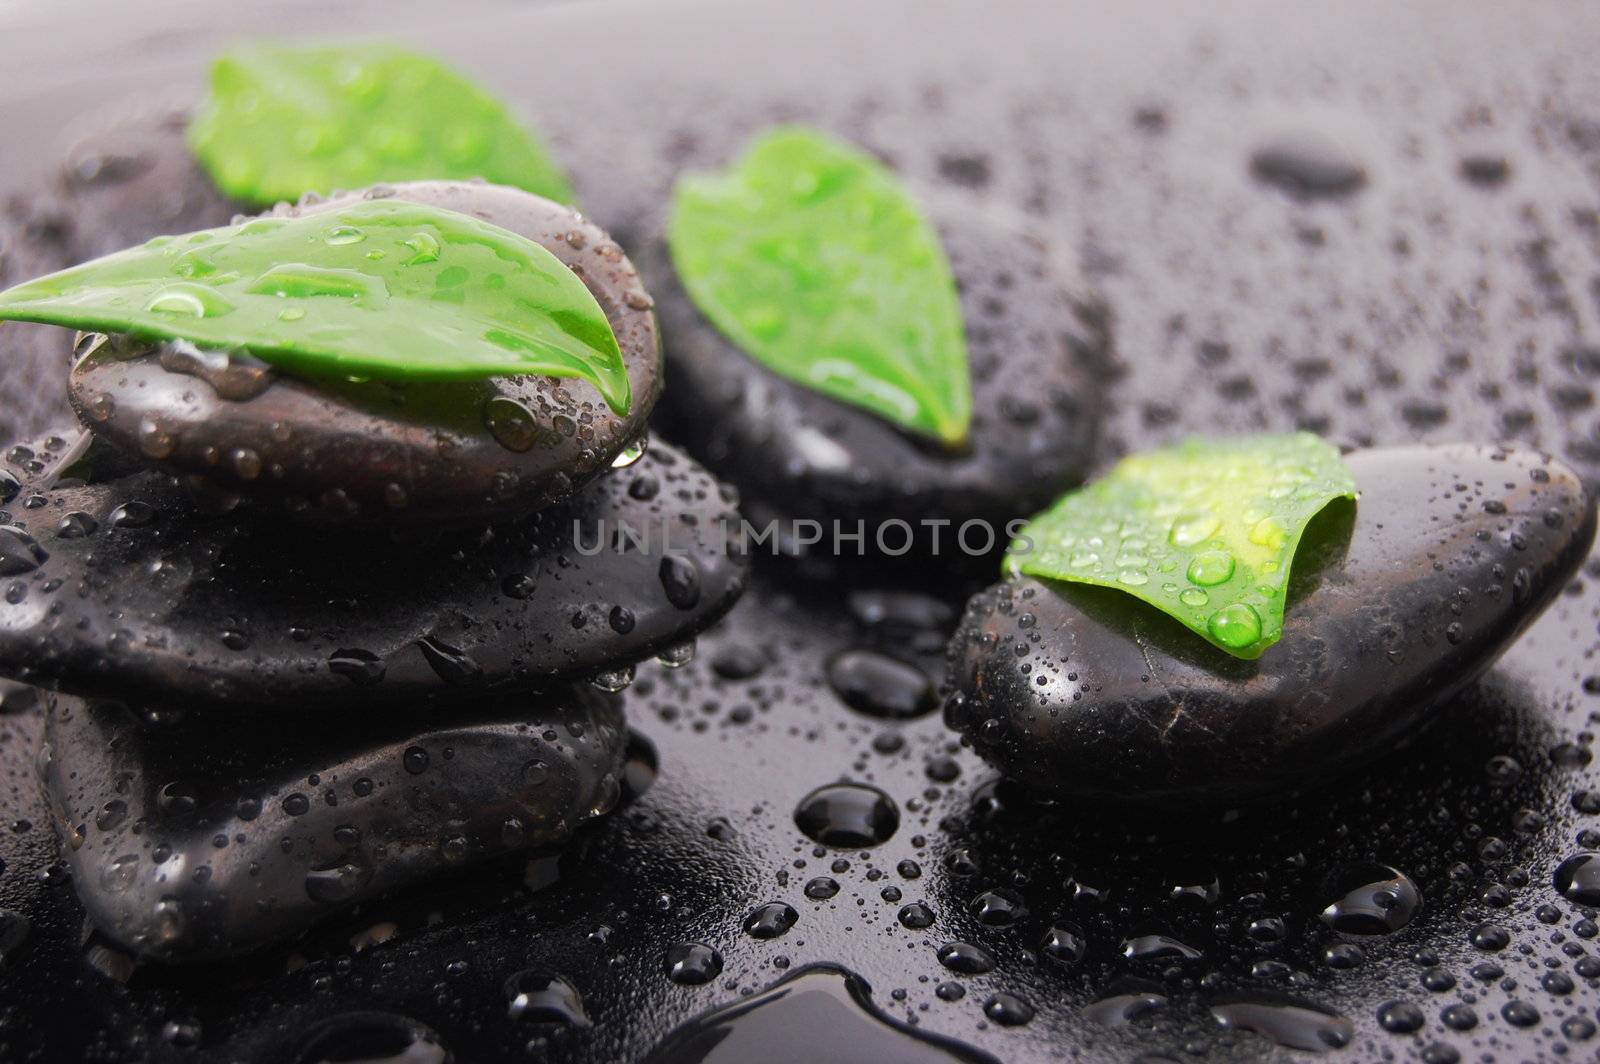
{"x": 1400, "y": 1017}
{"x": 361, "y": 667}
{"x": 76, "y": 525}
{"x": 692, "y": 963}
{"x": 1158, "y": 948}
{"x": 512, "y": 424}
{"x": 1000, "y": 907}
{"x": 341, "y": 235}
{"x": 1269, "y": 533}
{"x": 540, "y": 997}
{"x": 880, "y": 686}
{"x": 678, "y": 655}
{"x": 1371, "y": 899}
{"x": 1578, "y": 878}
{"x": 847, "y": 815}
{"x": 680, "y": 579}
{"x": 1237, "y": 625}
{"x": 1007, "y": 1010}
{"x": 186, "y": 300}
{"x": 818, "y": 1013}
{"x": 771, "y": 920}
{"x": 1291, "y": 1026}
{"x": 631, "y": 453}
{"x": 450, "y": 663}
{"x": 613, "y": 680}
{"x": 1126, "y": 1002}
{"x": 1192, "y": 529}
{"x": 1210, "y": 568}
{"x": 1065, "y": 944}
{"x": 915, "y": 916}
{"x": 965, "y": 958}
{"x": 424, "y": 249}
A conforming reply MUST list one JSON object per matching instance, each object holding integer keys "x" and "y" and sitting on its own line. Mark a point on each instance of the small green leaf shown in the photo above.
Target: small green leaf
{"x": 811, "y": 258}
{"x": 1204, "y": 531}
{"x": 283, "y": 121}
{"x": 380, "y": 288}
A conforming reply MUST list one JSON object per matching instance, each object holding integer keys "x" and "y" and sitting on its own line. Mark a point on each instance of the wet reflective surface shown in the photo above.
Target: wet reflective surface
{"x": 1425, "y": 304}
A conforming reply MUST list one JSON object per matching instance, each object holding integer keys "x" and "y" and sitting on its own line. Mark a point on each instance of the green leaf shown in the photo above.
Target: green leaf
{"x": 1204, "y": 531}
{"x": 380, "y": 288}
{"x": 283, "y": 121}
{"x": 811, "y": 258}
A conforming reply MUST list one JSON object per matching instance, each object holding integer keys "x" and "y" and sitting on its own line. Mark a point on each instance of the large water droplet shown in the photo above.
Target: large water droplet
{"x": 1192, "y": 529}
{"x": 692, "y": 963}
{"x": 771, "y": 920}
{"x": 847, "y": 815}
{"x": 880, "y": 686}
{"x": 186, "y": 300}
{"x": 1237, "y": 625}
{"x": 541, "y": 997}
{"x": 1370, "y": 899}
{"x": 1210, "y": 568}
{"x": 1291, "y": 1026}
{"x": 818, "y": 1013}
{"x": 1578, "y": 878}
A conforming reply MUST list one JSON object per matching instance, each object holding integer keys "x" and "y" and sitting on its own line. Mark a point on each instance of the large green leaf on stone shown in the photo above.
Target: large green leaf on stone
{"x": 380, "y": 288}
{"x": 283, "y": 121}
{"x": 1204, "y": 531}
{"x": 812, "y": 258}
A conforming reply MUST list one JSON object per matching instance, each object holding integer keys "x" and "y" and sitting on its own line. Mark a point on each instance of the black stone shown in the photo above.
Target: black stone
{"x": 192, "y": 606}
{"x": 1394, "y": 606}
{"x": 188, "y": 840}
{"x": 1039, "y": 359}
{"x": 130, "y": 177}
{"x": 430, "y": 452}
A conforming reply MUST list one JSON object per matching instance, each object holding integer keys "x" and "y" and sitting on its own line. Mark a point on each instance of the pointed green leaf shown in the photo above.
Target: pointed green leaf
{"x": 811, "y": 258}
{"x": 381, "y": 288}
{"x": 283, "y": 121}
{"x": 1204, "y": 531}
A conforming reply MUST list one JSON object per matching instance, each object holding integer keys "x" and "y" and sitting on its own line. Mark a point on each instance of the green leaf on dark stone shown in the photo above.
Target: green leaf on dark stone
{"x": 381, "y": 288}
{"x": 1204, "y": 531}
{"x": 812, "y": 258}
{"x": 283, "y": 121}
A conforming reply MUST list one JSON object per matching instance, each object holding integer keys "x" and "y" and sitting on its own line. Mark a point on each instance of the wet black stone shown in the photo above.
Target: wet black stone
{"x": 1039, "y": 358}
{"x": 228, "y": 608}
{"x": 434, "y": 452}
{"x": 253, "y": 853}
{"x": 131, "y": 177}
{"x": 1451, "y": 554}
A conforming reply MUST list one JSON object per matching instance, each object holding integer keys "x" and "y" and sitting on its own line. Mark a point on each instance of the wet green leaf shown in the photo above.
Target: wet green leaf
{"x": 811, "y": 258}
{"x": 283, "y": 121}
{"x": 381, "y": 288}
{"x": 1204, "y": 531}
